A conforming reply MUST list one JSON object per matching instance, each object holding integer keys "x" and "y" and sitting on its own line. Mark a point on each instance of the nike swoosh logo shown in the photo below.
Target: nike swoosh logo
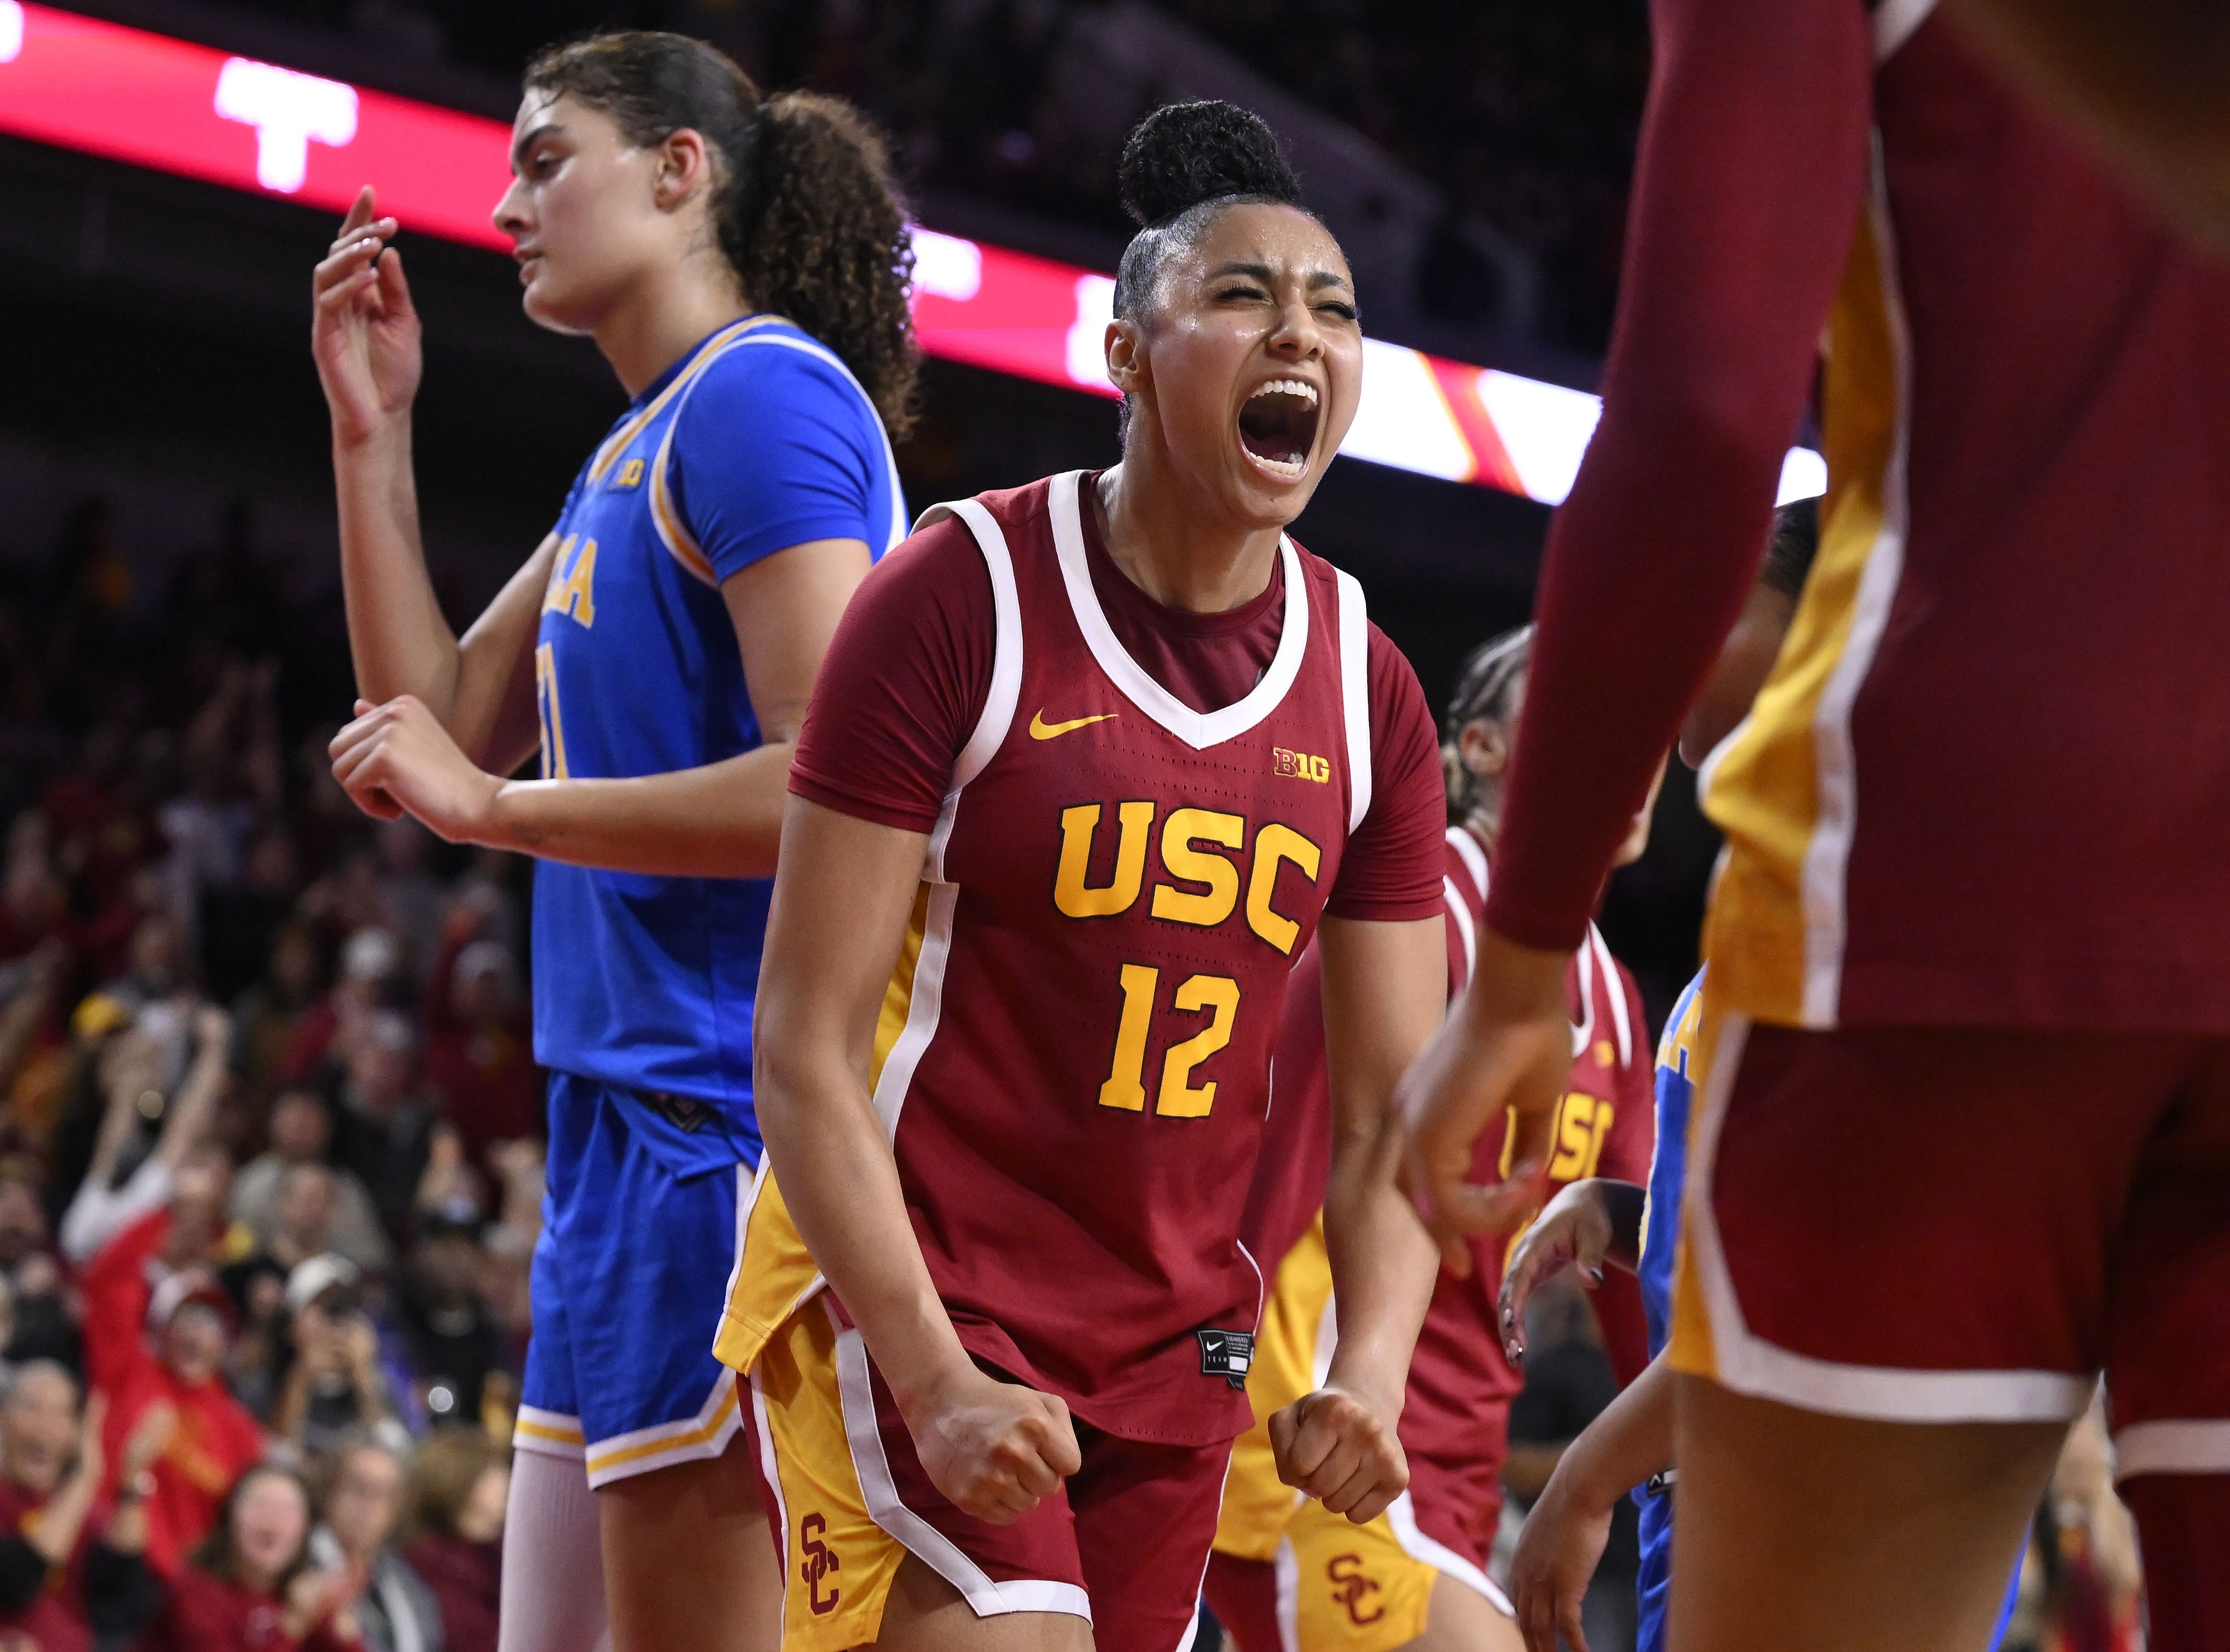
{"x": 1041, "y": 730}
{"x": 1211, "y": 1344}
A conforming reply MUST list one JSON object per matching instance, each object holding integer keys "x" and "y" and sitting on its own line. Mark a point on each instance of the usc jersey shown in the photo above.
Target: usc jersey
{"x": 1073, "y": 1058}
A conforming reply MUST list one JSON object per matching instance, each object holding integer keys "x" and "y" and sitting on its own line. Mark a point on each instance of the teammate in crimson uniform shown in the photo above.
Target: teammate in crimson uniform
{"x": 1284, "y": 1573}
{"x": 2026, "y": 412}
{"x": 1088, "y": 765}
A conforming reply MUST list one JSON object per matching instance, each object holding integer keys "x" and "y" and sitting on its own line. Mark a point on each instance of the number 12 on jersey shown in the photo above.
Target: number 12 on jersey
{"x": 1177, "y": 1097}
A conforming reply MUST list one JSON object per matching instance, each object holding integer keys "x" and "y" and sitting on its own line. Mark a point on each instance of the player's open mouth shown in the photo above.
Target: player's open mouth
{"x": 1277, "y": 427}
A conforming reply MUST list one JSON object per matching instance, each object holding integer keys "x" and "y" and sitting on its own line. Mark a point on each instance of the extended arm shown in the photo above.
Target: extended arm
{"x": 1384, "y": 986}
{"x": 365, "y": 336}
{"x": 1753, "y": 165}
{"x": 1563, "y": 1537}
{"x": 841, "y": 903}
{"x": 719, "y": 820}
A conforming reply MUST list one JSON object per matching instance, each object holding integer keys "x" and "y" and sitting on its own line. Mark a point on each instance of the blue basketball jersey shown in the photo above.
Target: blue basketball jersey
{"x": 1660, "y": 1214}
{"x": 759, "y": 439}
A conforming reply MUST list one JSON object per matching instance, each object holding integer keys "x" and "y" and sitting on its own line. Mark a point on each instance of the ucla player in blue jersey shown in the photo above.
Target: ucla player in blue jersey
{"x": 742, "y": 262}
{"x": 1629, "y": 1447}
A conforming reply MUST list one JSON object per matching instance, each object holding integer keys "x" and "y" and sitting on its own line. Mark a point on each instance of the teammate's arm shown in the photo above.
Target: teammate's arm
{"x": 841, "y": 904}
{"x": 364, "y": 335}
{"x": 1384, "y": 985}
{"x": 717, "y": 820}
{"x": 1563, "y": 1536}
{"x": 1752, "y": 168}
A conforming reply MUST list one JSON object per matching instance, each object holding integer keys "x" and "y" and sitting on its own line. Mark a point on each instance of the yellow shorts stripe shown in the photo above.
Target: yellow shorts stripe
{"x": 1784, "y": 787}
{"x": 837, "y": 1563}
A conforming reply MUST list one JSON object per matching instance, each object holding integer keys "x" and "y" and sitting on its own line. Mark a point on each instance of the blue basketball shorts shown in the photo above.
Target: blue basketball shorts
{"x": 629, "y": 1278}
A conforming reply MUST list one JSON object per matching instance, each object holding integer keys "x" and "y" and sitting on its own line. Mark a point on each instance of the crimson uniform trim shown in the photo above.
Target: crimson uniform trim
{"x": 1748, "y": 1363}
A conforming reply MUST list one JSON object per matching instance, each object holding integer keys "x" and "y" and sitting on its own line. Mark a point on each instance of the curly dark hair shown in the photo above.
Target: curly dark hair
{"x": 810, "y": 215}
{"x": 1181, "y": 163}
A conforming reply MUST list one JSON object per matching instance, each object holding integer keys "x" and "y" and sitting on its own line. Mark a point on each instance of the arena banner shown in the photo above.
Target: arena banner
{"x": 149, "y": 101}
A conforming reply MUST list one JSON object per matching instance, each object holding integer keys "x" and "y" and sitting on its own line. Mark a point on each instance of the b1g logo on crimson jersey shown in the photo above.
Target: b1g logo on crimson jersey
{"x": 1299, "y": 765}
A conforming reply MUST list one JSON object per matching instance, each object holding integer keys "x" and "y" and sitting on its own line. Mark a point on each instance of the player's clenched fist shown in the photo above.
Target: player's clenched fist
{"x": 995, "y": 1448}
{"x": 1340, "y": 1450}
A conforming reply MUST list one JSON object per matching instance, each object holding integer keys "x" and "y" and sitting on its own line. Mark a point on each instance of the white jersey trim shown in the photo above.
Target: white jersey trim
{"x": 666, "y": 518}
{"x": 1748, "y": 1363}
{"x": 1199, "y": 730}
{"x": 986, "y": 1597}
{"x": 1355, "y": 693}
{"x": 1402, "y": 1515}
{"x": 2199, "y": 1447}
{"x": 1474, "y": 857}
{"x": 1825, "y": 874}
{"x": 1613, "y": 994}
{"x": 1460, "y": 914}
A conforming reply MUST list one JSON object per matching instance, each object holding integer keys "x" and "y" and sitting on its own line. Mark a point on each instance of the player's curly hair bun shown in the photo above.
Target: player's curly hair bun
{"x": 1186, "y": 154}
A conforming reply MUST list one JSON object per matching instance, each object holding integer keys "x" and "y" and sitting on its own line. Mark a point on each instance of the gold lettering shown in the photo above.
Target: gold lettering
{"x": 1181, "y": 861}
{"x": 1080, "y": 827}
{"x": 1274, "y": 844}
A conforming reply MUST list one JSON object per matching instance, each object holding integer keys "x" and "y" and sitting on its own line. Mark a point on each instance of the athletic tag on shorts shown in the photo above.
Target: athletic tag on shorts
{"x": 1226, "y": 1354}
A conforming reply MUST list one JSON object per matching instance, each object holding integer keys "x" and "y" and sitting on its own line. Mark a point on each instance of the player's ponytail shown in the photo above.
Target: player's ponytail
{"x": 1490, "y": 688}
{"x": 807, "y": 216}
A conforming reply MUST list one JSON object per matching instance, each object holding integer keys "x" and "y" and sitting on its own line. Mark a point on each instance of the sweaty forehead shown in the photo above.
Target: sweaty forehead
{"x": 1282, "y": 239}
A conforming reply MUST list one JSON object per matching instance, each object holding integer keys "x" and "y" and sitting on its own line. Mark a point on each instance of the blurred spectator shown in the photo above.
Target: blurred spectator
{"x": 136, "y": 1068}
{"x": 122, "y": 1281}
{"x": 179, "y": 1366}
{"x": 408, "y": 893}
{"x": 479, "y": 1048}
{"x": 384, "y": 1132}
{"x": 301, "y": 1135}
{"x": 454, "y": 1339}
{"x": 363, "y": 1504}
{"x": 460, "y": 1485}
{"x": 266, "y": 1012}
{"x": 71, "y": 1568}
{"x": 257, "y": 1363}
{"x": 42, "y": 1322}
{"x": 334, "y": 1383}
{"x": 251, "y": 1587}
{"x": 371, "y": 976}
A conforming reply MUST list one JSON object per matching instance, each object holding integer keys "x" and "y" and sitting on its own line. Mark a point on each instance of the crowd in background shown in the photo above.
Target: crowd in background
{"x": 270, "y": 1171}
{"x": 1523, "y": 115}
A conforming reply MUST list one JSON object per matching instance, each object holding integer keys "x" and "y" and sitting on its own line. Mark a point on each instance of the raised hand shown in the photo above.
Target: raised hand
{"x": 996, "y": 1449}
{"x": 1506, "y": 1048}
{"x": 363, "y": 332}
{"x": 1341, "y": 1450}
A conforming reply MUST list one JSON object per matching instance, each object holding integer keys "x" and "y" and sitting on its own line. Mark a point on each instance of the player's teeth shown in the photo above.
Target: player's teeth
{"x": 1301, "y": 388}
{"x": 1282, "y": 466}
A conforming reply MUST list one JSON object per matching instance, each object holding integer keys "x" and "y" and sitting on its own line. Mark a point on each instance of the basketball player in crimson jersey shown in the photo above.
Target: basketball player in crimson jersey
{"x": 2026, "y": 408}
{"x": 1285, "y": 1575}
{"x": 1089, "y": 766}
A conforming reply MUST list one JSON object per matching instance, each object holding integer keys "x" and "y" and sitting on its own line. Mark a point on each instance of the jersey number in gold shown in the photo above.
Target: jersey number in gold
{"x": 1178, "y": 1097}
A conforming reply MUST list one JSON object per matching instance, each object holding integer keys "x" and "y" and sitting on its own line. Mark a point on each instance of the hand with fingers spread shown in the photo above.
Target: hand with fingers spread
{"x": 1504, "y": 1050}
{"x": 995, "y": 1448}
{"x": 397, "y": 758}
{"x": 1587, "y": 1225}
{"x": 1341, "y": 1449}
{"x": 363, "y": 332}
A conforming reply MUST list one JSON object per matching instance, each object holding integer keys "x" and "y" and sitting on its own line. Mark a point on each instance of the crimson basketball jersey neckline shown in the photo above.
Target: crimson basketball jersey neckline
{"x": 1074, "y": 1058}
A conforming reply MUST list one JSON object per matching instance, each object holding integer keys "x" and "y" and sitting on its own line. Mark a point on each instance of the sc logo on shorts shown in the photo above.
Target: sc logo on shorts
{"x": 820, "y": 1560}
{"x": 1352, "y": 1586}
